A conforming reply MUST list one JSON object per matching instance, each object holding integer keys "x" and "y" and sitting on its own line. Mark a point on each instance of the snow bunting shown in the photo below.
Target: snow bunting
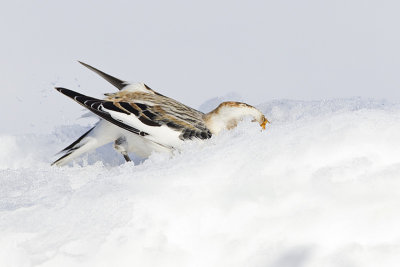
{"x": 140, "y": 120}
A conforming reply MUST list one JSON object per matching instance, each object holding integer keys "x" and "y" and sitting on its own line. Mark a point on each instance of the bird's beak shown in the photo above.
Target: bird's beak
{"x": 264, "y": 123}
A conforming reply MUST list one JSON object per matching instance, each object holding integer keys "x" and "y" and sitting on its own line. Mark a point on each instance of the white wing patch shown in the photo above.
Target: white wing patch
{"x": 159, "y": 134}
{"x": 136, "y": 87}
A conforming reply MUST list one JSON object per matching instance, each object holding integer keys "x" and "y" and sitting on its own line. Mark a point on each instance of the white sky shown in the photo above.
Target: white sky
{"x": 194, "y": 50}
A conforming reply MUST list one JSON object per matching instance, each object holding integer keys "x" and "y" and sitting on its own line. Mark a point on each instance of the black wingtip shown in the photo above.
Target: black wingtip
{"x": 58, "y": 160}
{"x": 86, "y": 65}
{"x": 78, "y": 97}
{"x": 114, "y": 81}
{"x": 68, "y": 92}
{"x": 62, "y": 90}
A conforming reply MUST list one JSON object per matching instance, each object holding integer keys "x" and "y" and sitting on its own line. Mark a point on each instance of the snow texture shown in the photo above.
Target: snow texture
{"x": 319, "y": 187}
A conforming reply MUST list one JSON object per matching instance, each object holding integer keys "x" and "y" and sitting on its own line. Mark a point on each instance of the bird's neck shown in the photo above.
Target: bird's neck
{"x": 227, "y": 115}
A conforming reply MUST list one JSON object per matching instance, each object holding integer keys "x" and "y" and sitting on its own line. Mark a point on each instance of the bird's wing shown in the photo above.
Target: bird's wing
{"x": 120, "y": 84}
{"x": 114, "y": 81}
{"x": 163, "y": 123}
{"x": 174, "y": 115}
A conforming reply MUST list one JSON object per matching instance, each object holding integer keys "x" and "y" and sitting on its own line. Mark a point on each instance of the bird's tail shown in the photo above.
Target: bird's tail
{"x": 97, "y": 136}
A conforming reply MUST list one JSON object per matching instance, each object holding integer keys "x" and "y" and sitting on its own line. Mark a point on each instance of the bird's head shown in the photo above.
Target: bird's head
{"x": 228, "y": 114}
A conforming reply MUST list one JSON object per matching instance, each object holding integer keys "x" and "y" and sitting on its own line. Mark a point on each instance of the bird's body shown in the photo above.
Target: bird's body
{"x": 140, "y": 120}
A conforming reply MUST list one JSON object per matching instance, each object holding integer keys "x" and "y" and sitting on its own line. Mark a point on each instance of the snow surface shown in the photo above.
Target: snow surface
{"x": 319, "y": 187}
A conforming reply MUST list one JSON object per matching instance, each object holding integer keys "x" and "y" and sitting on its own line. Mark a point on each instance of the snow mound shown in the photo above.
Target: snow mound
{"x": 319, "y": 187}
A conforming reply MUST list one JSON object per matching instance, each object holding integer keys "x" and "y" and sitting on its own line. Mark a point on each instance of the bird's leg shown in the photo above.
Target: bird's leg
{"x": 126, "y": 156}
{"x": 121, "y": 146}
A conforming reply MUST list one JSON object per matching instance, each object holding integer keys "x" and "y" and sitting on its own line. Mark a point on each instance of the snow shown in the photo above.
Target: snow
{"x": 319, "y": 187}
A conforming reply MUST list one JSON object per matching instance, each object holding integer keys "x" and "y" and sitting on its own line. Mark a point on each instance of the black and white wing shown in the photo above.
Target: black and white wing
{"x": 118, "y": 83}
{"x": 167, "y": 124}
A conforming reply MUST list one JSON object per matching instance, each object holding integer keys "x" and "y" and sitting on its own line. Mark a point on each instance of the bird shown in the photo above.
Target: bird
{"x": 140, "y": 120}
